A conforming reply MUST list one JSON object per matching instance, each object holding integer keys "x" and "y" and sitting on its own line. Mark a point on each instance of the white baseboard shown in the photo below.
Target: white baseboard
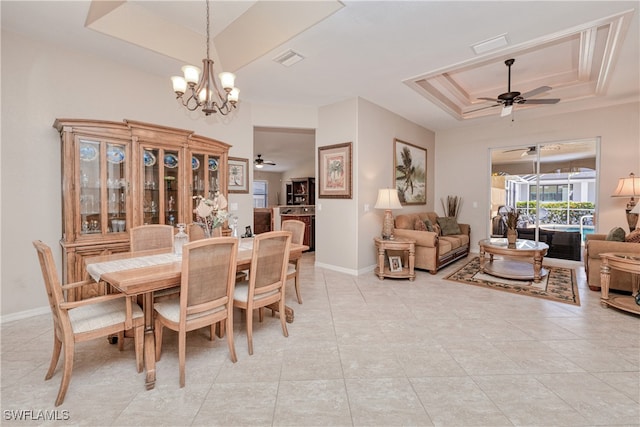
{"x": 24, "y": 314}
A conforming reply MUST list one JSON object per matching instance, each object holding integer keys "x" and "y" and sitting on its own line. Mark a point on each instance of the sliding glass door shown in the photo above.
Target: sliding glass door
{"x": 553, "y": 186}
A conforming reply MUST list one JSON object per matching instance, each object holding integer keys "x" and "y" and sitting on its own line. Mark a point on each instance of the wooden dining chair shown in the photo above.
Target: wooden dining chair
{"x": 267, "y": 279}
{"x": 151, "y": 236}
{"x": 206, "y": 295}
{"x": 297, "y": 236}
{"x": 84, "y": 320}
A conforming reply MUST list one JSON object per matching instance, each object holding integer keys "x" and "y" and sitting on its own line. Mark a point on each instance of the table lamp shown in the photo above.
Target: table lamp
{"x": 387, "y": 200}
{"x": 629, "y": 187}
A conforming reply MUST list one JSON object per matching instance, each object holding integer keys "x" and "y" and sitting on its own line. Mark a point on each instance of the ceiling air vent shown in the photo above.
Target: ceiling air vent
{"x": 288, "y": 58}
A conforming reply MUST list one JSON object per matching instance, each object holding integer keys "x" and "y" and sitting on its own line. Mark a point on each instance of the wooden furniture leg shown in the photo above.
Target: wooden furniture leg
{"x": 605, "y": 276}
{"x": 537, "y": 268}
{"x": 288, "y": 311}
{"x": 149, "y": 341}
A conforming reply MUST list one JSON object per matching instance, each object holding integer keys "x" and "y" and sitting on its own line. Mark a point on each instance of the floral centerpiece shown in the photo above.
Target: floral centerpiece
{"x": 512, "y": 218}
{"x": 211, "y": 213}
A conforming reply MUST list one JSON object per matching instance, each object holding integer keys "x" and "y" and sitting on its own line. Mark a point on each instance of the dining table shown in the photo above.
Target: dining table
{"x": 146, "y": 272}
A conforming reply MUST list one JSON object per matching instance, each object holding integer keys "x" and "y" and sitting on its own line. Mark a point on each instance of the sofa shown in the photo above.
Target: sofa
{"x": 437, "y": 248}
{"x": 597, "y": 244}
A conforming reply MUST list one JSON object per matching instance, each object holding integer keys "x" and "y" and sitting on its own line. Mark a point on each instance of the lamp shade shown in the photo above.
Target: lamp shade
{"x": 627, "y": 187}
{"x": 388, "y": 199}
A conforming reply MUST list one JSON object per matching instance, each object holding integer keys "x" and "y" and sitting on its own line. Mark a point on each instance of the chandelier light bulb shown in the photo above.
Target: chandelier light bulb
{"x": 234, "y": 94}
{"x": 227, "y": 80}
{"x": 179, "y": 84}
{"x": 191, "y": 74}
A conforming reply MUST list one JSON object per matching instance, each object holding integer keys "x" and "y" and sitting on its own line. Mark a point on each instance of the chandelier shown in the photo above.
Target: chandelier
{"x": 203, "y": 91}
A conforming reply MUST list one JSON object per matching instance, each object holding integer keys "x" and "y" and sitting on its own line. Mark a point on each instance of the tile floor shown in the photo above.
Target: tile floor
{"x": 361, "y": 352}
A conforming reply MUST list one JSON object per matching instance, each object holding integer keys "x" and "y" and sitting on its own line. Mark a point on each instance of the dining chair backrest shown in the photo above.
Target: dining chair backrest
{"x": 269, "y": 262}
{"x": 208, "y": 275}
{"x": 52, "y": 284}
{"x": 296, "y": 228}
{"x": 196, "y": 232}
{"x": 152, "y": 236}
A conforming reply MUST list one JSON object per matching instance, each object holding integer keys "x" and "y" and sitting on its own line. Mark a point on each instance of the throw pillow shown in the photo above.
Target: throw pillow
{"x": 616, "y": 235}
{"x": 419, "y": 225}
{"x": 429, "y": 225}
{"x": 633, "y": 237}
{"x": 449, "y": 225}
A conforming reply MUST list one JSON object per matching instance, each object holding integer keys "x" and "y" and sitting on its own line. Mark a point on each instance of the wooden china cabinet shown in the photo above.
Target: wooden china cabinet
{"x": 117, "y": 175}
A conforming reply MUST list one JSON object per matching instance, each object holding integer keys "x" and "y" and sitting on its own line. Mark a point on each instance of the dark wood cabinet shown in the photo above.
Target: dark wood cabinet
{"x": 301, "y": 191}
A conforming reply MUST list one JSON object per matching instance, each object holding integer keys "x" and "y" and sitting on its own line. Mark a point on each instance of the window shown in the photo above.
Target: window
{"x": 260, "y": 194}
{"x": 553, "y": 193}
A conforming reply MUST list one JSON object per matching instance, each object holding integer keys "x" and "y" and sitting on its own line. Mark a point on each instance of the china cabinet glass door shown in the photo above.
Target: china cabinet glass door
{"x": 204, "y": 177}
{"x": 161, "y": 183}
{"x": 103, "y": 185}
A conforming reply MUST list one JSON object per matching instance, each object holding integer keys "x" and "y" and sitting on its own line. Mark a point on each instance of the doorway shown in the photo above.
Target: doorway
{"x": 553, "y": 186}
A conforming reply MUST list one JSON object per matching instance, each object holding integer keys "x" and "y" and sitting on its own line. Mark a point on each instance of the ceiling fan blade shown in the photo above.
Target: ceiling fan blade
{"x": 534, "y": 92}
{"x": 541, "y": 101}
{"x": 489, "y": 99}
{"x": 483, "y": 108}
{"x": 269, "y": 162}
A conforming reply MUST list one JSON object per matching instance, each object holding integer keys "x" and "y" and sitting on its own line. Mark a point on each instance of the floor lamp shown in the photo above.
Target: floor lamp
{"x": 629, "y": 187}
{"x": 387, "y": 200}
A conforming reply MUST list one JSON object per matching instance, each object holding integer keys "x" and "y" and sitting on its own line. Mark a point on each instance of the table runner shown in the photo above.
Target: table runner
{"x": 98, "y": 269}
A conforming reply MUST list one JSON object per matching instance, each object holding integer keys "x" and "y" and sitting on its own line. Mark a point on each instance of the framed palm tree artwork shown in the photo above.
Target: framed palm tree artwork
{"x": 335, "y": 171}
{"x": 410, "y": 172}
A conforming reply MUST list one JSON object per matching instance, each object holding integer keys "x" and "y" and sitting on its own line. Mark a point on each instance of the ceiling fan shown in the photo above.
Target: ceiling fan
{"x": 529, "y": 151}
{"x": 509, "y": 98}
{"x": 260, "y": 162}
{"x": 533, "y": 150}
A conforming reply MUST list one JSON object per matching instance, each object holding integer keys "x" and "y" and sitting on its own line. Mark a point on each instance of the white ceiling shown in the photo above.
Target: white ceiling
{"x": 374, "y": 50}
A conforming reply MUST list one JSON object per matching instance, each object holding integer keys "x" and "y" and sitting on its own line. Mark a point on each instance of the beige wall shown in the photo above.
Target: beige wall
{"x": 462, "y": 166}
{"x": 377, "y": 129}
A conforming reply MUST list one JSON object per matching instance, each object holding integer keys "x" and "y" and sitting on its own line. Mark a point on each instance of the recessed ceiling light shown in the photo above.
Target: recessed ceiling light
{"x": 490, "y": 44}
{"x": 288, "y": 58}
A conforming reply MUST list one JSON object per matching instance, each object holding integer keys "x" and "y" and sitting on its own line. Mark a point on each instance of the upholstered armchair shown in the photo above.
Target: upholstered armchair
{"x": 446, "y": 242}
{"x": 596, "y": 245}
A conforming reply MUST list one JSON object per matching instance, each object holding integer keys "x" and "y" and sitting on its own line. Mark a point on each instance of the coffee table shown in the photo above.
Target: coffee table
{"x": 510, "y": 268}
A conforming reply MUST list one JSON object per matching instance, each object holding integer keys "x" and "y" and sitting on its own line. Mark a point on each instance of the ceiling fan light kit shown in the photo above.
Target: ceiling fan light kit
{"x": 203, "y": 89}
{"x": 259, "y": 162}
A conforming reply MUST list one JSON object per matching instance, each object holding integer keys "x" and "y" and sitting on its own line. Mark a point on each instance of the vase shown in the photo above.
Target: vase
{"x": 512, "y": 236}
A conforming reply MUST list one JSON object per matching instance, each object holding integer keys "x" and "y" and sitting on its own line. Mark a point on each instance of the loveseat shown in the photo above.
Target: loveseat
{"x": 596, "y": 245}
{"x": 447, "y": 242}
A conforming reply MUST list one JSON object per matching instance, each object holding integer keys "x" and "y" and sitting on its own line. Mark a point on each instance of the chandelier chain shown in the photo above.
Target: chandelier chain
{"x": 208, "y": 37}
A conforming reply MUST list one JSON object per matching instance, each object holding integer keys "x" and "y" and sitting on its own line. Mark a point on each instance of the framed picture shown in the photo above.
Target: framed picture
{"x": 395, "y": 264}
{"x": 335, "y": 171}
{"x": 238, "y": 175}
{"x": 410, "y": 172}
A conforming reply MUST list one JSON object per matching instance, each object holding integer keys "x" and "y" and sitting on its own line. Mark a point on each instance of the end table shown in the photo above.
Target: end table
{"x": 401, "y": 267}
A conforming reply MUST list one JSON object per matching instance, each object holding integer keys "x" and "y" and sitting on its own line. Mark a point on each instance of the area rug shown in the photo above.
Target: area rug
{"x": 558, "y": 285}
